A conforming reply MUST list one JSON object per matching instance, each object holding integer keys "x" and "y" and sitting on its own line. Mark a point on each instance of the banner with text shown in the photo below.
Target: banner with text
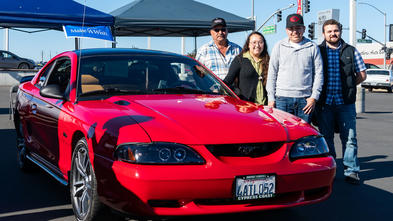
{"x": 97, "y": 32}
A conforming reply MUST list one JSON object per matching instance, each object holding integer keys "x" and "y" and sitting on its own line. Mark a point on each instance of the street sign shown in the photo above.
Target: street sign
{"x": 364, "y": 41}
{"x": 271, "y": 29}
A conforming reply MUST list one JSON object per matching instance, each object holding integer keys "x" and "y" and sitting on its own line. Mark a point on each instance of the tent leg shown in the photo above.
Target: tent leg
{"x": 76, "y": 43}
{"x": 195, "y": 44}
{"x": 114, "y": 42}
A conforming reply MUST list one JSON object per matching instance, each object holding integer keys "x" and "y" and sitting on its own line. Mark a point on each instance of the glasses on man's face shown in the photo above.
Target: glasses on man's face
{"x": 220, "y": 29}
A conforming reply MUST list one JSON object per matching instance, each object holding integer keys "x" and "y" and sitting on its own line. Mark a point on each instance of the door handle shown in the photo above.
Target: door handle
{"x": 33, "y": 108}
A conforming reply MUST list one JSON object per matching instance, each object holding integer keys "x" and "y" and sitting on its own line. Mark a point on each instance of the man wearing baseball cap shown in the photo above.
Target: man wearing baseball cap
{"x": 218, "y": 54}
{"x": 295, "y": 76}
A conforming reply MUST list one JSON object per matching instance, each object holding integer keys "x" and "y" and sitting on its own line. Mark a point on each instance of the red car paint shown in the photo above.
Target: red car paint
{"x": 195, "y": 120}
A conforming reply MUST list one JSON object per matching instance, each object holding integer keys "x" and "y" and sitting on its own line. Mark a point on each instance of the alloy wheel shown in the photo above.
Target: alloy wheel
{"x": 82, "y": 182}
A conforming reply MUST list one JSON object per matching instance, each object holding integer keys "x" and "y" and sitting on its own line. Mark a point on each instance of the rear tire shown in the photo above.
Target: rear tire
{"x": 389, "y": 89}
{"x": 83, "y": 185}
{"x": 370, "y": 89}
{"x": 23, "y": 66}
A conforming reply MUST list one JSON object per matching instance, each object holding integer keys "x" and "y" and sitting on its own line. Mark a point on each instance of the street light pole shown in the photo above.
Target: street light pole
{"x": 290, "y": 6}
{"x": 384, "y": 15}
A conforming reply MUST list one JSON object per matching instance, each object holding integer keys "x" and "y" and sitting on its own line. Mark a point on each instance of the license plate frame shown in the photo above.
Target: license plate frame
{"x": 254, "y": 187}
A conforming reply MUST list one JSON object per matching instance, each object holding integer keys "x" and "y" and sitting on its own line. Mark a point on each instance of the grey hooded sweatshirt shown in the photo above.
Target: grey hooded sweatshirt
{"x": 295, "y": 72}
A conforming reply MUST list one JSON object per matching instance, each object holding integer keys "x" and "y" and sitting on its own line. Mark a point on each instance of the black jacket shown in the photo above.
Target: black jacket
{"x": 247, "y": 78}
{"x": 347, "y": 72}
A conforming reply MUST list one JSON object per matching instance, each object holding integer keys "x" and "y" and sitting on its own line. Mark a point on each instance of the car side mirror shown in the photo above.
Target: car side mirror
{"x": 52, "y": 91}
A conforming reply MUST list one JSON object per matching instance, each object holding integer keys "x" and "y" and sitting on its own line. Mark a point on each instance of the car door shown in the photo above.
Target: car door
{"x": 46, "y": 111}
{"x": 3, "y": 60}
{"x": 9, "y": 60}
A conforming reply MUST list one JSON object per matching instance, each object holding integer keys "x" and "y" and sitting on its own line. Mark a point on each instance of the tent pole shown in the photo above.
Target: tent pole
{"x": 195, "y": 44}
{"x": 76, "y": 43}
{"x": 183, "y": 46}
{"x": 114, "y": 42}
{"x": 148, "y": 42}
{"x": 6, "y": 39}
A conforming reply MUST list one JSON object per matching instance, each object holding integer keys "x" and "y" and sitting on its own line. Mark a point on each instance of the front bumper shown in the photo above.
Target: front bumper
{"x": 376, "y": 85}
{"x": 206, "y": 189}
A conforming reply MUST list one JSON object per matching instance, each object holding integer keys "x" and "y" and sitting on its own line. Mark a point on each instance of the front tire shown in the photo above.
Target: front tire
{"x": 24, "y": 164}
{"x": 83, "y": 184}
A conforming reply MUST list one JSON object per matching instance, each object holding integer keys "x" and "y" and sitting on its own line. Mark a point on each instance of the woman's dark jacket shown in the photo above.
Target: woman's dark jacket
{"x": 242, "y": 69}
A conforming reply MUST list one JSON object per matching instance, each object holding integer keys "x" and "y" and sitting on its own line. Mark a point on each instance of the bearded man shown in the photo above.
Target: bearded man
{"x": 343, "y": 69}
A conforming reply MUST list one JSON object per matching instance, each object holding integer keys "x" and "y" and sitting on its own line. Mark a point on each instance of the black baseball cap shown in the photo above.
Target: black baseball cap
{"x": 294, "y": 20}
{"x": 218, "y": 21}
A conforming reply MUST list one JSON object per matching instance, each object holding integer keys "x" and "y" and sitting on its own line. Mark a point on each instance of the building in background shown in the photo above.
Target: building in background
{"x": 372, "y": 53}
{"x": 322, "y": 17}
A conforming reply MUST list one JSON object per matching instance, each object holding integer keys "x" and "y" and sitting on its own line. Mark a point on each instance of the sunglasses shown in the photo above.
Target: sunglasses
{"x": 220, "y": 29}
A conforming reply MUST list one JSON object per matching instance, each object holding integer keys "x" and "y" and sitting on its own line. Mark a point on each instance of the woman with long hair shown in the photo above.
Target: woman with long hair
{"x": 248, "y": 71}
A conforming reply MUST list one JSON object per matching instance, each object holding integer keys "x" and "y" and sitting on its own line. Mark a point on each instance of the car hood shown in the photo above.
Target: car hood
{"x": 202, "y": 119}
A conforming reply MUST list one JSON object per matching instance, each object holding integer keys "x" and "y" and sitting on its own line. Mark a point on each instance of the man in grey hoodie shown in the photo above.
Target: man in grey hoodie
{"x": 295, "y": 76}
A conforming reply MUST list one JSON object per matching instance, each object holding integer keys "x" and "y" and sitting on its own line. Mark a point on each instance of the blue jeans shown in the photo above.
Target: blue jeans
{"x": 293, "y": 105}
{"x": 345, "y": 117}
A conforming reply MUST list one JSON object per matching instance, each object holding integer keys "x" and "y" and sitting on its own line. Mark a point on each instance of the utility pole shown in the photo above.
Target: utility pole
{"x": 352, "y": 22}
{"x": 360, "y": 93}
{"x": 300, "y": 7}
{"x": 253, "y": 17}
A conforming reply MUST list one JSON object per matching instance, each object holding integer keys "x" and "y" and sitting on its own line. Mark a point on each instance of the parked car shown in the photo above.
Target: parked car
{"x": 122, "y": 129}
{"x": 11, "y": 60}
{"x": 371, "y": 66}
{"x": 378, "y": 79}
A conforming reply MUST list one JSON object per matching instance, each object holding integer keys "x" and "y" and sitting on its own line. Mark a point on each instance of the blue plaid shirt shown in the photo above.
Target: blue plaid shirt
{"x": 334, "y": 92}
{"x": 210, "y": 56}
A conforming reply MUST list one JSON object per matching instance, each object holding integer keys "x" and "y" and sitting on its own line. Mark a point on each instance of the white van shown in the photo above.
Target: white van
{"x": 378, "y": 79}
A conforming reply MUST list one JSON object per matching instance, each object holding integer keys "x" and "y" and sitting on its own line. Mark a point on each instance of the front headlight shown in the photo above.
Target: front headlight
{"x": 309, "y": 146}
{"x": 157, "y": 153}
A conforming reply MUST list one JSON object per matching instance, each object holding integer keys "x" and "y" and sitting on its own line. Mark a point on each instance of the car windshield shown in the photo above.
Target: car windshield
{"x": 145, "y": 74}
{"x": 371, "y": 66}
{"x": 379, "y": 72}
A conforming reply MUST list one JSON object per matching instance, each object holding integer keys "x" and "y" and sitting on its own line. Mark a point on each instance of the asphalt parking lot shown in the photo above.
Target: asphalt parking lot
{"x": 37, "y": 196}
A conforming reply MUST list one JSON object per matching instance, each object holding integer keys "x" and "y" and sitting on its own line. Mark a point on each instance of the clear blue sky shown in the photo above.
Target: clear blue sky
{"x": 51, "y": 43}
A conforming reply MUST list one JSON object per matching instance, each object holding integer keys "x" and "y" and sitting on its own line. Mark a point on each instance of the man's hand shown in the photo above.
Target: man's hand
{"x": 309, "y": 106}
{"x": 360, "y": 77}
{"x": 271, "y": 104}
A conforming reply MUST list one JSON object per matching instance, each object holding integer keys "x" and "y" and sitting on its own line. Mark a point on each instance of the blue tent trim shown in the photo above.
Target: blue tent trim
{"x": 50, "y": 14}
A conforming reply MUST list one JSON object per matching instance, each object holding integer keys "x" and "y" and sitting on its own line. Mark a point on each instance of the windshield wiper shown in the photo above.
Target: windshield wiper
{"x": 112, "y": 91}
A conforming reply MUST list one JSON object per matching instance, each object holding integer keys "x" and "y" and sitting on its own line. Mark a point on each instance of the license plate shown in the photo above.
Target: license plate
{"x": 255, "y": 187}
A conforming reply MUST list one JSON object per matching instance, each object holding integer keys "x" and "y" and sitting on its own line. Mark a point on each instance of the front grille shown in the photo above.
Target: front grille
{"x": 244, "y": 150}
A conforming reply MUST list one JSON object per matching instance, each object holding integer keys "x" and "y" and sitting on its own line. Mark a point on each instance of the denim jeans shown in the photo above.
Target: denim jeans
{"x": 345, "y": 116}
{"x": 293, "y": 105}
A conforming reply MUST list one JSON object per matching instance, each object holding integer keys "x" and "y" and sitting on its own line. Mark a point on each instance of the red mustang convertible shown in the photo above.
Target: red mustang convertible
{"x": 156, "y": 134}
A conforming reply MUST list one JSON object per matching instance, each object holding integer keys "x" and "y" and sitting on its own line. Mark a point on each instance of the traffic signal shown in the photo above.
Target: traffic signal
{"x": 364, "y": 35}
{"x": 389, "y": 51}
{"x": 306, "y": 6}
{"x": 279, "y": 16}
{"x": 311, "y": 30}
